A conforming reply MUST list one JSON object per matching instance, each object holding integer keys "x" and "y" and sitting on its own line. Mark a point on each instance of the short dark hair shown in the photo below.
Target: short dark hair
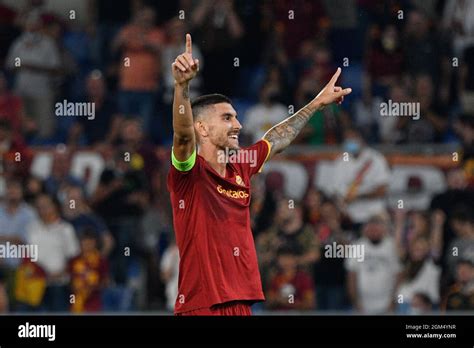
{"x": 88, "y": 232}
{"x": 204, "y": 101}
{"x": 462, "y": 213}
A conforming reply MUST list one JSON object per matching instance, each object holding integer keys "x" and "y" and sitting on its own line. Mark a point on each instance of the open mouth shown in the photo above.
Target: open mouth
{"x": 234, "y": 136}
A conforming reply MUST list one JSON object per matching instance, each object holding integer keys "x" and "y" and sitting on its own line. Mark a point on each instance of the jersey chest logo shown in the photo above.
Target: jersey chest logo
{"x": 236, "y": 194}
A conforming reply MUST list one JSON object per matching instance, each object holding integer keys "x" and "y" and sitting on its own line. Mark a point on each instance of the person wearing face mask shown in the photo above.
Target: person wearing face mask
{"x": 360, "y": 180}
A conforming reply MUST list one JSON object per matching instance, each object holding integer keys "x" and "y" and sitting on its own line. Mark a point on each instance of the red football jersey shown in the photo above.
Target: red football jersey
{"x": 218, "y": 260}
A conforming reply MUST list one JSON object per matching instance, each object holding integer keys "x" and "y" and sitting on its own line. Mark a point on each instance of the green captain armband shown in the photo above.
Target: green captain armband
{"x": 185, "y": 165}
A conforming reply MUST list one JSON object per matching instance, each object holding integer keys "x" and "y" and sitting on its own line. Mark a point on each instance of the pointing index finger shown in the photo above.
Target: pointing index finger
{"x": 189, "y": 44}
{"x": 335, "y": 76}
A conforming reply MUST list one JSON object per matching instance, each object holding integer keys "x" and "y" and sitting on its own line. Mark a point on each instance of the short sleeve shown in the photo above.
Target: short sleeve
{"x": 257, "y": 155}
{"x": 182, "y": 180}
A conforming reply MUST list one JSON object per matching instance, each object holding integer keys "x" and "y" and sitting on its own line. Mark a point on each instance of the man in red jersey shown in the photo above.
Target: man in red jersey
{"x": 209, "y": 183}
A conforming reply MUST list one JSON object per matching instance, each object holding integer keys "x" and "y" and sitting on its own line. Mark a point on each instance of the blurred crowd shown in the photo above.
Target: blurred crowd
{"x": 113, "y": 248}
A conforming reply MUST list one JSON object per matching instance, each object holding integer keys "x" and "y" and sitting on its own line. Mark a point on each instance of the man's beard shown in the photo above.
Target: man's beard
{"x": 226, "y": 143}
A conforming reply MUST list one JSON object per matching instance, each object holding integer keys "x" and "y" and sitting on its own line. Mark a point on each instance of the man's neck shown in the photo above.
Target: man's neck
{"x": 12, "y": 207}
{"x": 210, "y": 154}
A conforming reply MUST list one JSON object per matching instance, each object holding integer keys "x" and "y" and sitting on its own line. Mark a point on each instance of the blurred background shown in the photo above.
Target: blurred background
{"x": 91, "y": 193}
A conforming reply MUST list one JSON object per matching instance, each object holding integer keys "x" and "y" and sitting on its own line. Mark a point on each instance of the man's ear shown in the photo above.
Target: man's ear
{"x": 201, "y": 129}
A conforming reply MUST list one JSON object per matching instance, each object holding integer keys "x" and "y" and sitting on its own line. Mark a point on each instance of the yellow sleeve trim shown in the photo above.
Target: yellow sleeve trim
{"x": 268, "y": 154}
{"x": 184, "y": 166}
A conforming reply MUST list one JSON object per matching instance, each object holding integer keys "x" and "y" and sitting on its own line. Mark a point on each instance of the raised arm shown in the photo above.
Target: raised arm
{"x": 282, "y": 134}
{"x": 184, "y": 68}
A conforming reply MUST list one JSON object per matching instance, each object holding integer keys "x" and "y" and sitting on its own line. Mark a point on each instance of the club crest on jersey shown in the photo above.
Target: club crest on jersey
{"x": 239, "y": 180}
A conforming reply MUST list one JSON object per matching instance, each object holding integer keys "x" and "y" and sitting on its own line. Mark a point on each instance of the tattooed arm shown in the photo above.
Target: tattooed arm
{"x": 184, "y": 68}
{"x": 282, "y": 134}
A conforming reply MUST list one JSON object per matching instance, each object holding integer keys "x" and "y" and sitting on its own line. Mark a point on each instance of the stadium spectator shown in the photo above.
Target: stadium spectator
{"x": 457, "y": 20}
{"x": 461, "y": 295}
{"x": 57, "y": 244}
{"x": 268, "y": 112}
{"x": 133, "y": 144}
{"x": 105, "y": 126}
{"x": 312, "y": 204}
{"x": 288, "y": 230}
{"x": 372, "y": 283}
{"x": 35, "y": 58}
{"x": 329, "y": 272}
{"x": 461, "y": 247}
{"x": 361, "y": 177}
{"x": 420, "y": 274}
{"x": 457, "y": 195}
{"x": 30, "y": 8}
{"x": 325, "y": 125}
{"x": 140, "y": 43}
{"x": 431, "y": 126}
{"x": 290, "y": 287}
{"x": 385, "y": 57}
{"x": 419, "y": 226}
{"x": 33, "y": 187}
{"x": 389, "y": 130}
{"x": 89, "y": 274}
{"x": 15, "y": 216}
{"x": 121, "y": 199}
{"x": 61, "y": 175}
{"x": 77, "y": 212}
{"x": 423, "y": 50}
{"x": 421, "y": 304}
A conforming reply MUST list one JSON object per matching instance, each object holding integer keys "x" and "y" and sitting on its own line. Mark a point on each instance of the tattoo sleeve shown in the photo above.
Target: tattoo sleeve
{"x": 282, "y": 134}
